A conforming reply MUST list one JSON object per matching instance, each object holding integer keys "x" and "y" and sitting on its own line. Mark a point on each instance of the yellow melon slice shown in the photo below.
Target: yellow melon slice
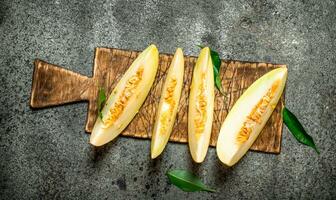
{"x": 249, "y": 115}
{"x": 169, "y": 101}
{"x": 127, "y": 97}
{"x": 201, "y": 106}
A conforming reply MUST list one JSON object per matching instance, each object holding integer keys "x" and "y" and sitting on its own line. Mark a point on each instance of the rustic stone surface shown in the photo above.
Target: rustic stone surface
{"x": 45, "y": 152}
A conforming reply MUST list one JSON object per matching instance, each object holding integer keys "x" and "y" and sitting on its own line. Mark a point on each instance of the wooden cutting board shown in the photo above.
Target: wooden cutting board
{"x": 54, "y": 85}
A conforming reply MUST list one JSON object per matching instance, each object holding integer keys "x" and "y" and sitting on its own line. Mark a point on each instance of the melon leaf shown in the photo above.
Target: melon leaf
{"x": 187, "y": 181}
{"x": 297, "y": 129}
{"x": 101, "y": 101}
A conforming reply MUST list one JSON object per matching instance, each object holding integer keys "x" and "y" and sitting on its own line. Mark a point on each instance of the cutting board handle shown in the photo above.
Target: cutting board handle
{"x": 53, "y": 85}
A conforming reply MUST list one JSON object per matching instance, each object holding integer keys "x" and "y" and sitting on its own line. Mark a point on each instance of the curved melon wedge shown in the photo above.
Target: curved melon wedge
{"x": 249, "y": 115}
{"x": 127, "y": 97}
{"x": 201, "y": 106}
{"x": 169, "y": 101}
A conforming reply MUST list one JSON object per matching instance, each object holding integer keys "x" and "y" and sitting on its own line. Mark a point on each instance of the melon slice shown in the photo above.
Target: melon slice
{"x": 201, "y": 106}
{"x": 127, "y": 97}
{"x": 249, "y": 115}
{"x": 169, "y": 101}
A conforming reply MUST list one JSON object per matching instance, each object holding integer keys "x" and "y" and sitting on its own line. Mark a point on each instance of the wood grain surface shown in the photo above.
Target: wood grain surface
{"x": 53, "y": 85}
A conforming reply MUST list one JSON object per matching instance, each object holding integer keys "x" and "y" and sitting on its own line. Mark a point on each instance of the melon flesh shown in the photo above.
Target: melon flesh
{"x": 127, "y": 97}
{"x": 249, "y": 115}
{"x": 201, "y": 106}
{"x": 169, "y": 101}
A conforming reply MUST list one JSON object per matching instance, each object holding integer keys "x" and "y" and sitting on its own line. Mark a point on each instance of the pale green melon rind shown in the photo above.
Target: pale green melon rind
{"x": 227, "y": 149}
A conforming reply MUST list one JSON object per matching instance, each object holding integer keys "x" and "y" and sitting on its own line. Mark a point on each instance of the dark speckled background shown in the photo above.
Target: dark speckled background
{"x": 45, "y": 153}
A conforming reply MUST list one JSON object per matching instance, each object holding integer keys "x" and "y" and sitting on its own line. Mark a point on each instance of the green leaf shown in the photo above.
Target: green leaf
{"x": 216, "y": 61}
{"x": 101, "y": 101}
{"x": 187, "y": 181}
{"x": 218, "y": 81}
{"x": 297, "y": 129}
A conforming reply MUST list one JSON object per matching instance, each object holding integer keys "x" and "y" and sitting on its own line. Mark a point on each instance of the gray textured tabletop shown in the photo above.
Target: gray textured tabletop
{"x": 45, "y": 153}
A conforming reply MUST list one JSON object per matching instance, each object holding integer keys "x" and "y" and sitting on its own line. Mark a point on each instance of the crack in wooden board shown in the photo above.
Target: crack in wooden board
{"x": 109, "y": 66}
